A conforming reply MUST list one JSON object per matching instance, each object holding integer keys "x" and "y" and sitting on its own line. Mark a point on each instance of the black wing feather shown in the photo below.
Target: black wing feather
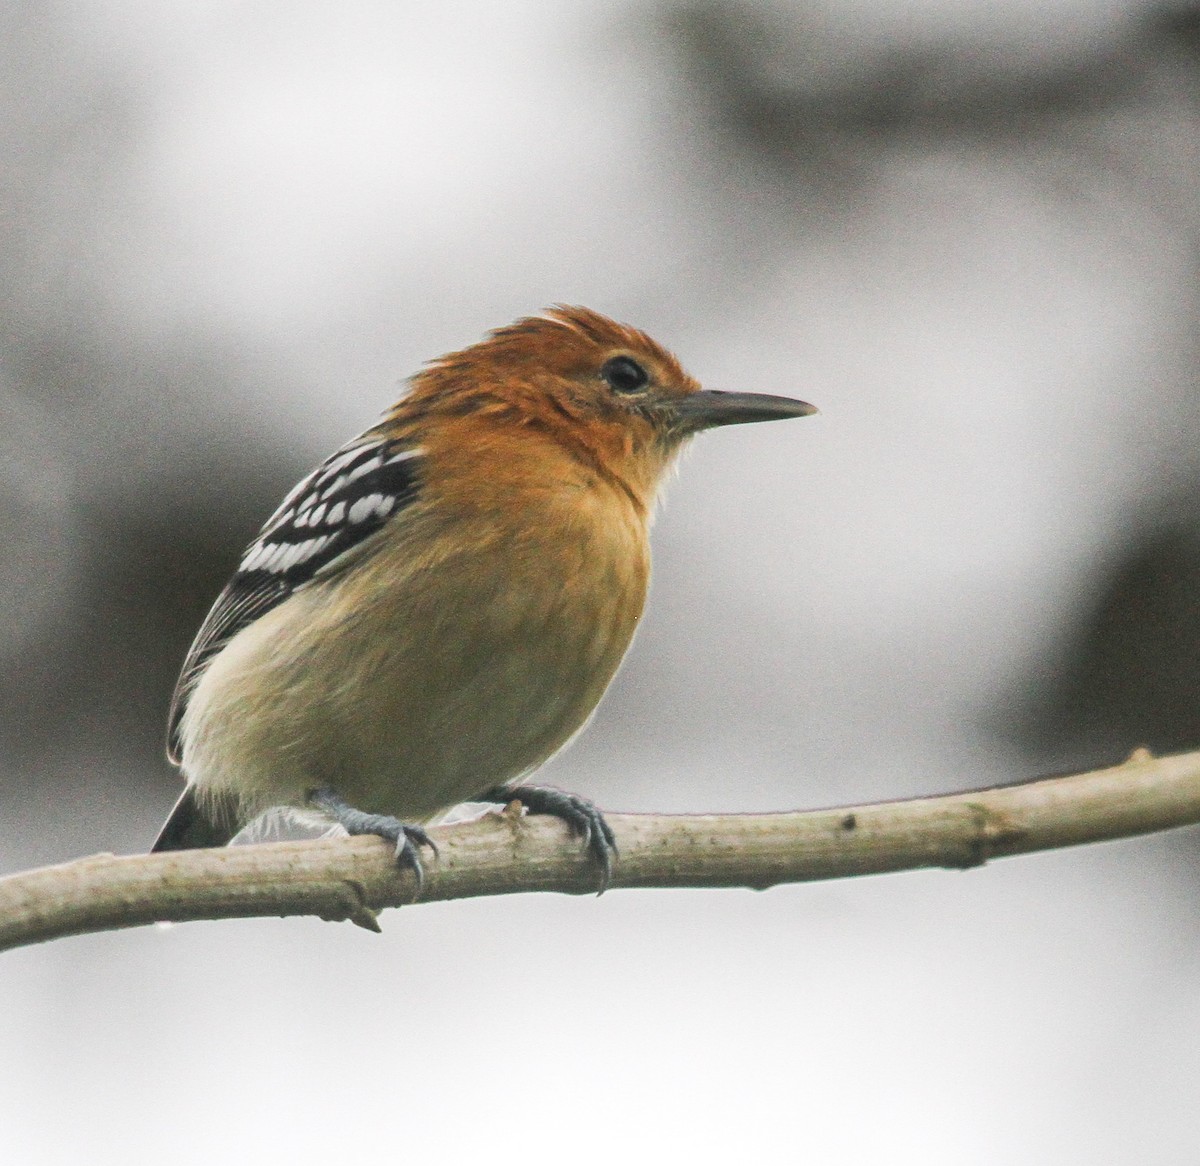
{"x": 334, "y": 510}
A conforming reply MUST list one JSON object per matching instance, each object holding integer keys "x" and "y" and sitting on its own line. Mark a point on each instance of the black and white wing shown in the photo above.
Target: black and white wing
{"x": 329, "y": 514}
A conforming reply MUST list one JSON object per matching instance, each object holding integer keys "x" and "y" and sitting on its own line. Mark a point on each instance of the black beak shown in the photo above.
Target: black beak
{"x": 711, "y": 407}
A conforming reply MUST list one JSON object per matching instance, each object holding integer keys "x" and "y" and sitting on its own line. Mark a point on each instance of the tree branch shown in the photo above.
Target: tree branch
{"x": 500, "y": 854}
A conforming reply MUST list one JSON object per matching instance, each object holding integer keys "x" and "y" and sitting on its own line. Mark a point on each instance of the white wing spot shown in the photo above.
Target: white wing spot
{"x": 336, "y": 513}
{"x": 307, "y": 549}
{"x": 404, "y": 455}
{"x": 332, "y": 488}
{"x": 367, "y": 466}
{"x": 364, "y": 507}
{"x": 341, "y": 461}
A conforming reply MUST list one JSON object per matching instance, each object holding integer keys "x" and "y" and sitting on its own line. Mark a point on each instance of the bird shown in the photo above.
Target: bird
{"x": 437, "y": 608}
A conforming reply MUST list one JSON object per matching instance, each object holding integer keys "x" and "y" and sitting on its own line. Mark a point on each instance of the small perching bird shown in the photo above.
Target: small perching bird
{"x": 438, "y": 608}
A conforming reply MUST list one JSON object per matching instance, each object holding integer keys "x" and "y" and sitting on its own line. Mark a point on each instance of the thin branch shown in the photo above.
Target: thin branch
{"x": 501, "y": 854}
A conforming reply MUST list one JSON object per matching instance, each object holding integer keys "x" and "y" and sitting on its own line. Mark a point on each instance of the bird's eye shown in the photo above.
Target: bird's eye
{"x": 624, "y": 375}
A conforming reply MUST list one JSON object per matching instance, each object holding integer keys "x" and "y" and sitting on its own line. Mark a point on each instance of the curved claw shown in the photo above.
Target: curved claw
{"x": 408, "y": 839}
{"x": 583, "y": 818}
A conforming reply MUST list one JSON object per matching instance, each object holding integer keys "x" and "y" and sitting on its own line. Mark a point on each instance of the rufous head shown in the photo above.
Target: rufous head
{"x": 594, "y": 385}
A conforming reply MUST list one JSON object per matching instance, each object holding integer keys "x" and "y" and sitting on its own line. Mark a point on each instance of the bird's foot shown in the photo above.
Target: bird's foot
{"x": 407, "y": 839}
{"x": 582, "y": 816}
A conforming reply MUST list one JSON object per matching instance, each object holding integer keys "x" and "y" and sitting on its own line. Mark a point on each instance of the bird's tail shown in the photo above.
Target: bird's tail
{"x": 196, "y": 824}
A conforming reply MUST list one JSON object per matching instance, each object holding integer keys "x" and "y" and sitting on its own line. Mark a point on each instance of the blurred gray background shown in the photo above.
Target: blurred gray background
{"x": 968, "y": 231}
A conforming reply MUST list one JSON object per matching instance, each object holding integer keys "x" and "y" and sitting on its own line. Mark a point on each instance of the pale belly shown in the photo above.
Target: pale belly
{"x": 436, "y": 687}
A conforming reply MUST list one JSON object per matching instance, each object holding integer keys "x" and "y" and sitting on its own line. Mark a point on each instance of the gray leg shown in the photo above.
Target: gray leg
{"x": 584, "y": 819}
{"x": 407, "y": 839}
